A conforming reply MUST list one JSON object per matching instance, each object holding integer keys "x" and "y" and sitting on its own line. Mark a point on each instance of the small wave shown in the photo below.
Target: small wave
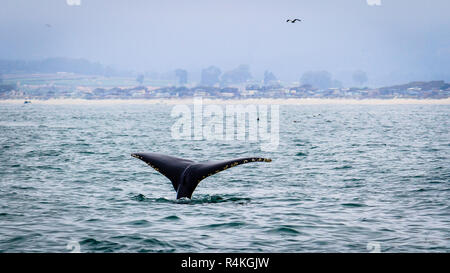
{"x": 48, "y": 167}
{"x": 421, "y": 190}
{"x": 23, "y": 238}
{"x": 23, "y": 188}
{"x": 353, "y": 205}
{"x": 141, "y": 222}
{"x": 43, "y": 153}
{"x": 352, "y": 179}
{"x": 140, "y": 198}
{"x": 172, "y": 218}
{"x": 206, "y": 199}
{"x": 145, "y": 244}
{"x": 153, "y": 242}
{"x": 104, "y": 246}
{"x": 224, "y": 225}
{"x": 86, "y": 152}
{"x": 285, "y": 230}
{"x": 343, "y": 167}
{"x": 213, "y": 199}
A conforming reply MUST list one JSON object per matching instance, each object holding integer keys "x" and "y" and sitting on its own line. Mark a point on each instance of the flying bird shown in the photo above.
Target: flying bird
{"x": 186, "y": 174}
{"x": 48, "y": 25}
{"x": 293, "y": 20}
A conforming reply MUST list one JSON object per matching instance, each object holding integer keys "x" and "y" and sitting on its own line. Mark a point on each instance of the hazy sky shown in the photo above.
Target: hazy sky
{"x": 396, "y": 41}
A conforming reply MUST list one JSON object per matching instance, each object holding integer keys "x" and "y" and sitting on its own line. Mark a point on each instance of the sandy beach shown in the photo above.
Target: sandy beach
{"x": 306, "y": 101}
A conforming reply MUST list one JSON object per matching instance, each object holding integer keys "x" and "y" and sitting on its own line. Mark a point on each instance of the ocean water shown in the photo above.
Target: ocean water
{"x": 345, "y": 178}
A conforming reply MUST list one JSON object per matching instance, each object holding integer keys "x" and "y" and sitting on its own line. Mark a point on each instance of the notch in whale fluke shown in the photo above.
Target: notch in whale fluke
{"x": 186, "y": 174}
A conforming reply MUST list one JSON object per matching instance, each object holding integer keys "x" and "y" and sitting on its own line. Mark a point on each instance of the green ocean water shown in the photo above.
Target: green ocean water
{"x": 343, "y": 179}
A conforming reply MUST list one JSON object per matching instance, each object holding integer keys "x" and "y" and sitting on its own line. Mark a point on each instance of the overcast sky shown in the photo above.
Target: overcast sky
{"x": 396, "y": 41}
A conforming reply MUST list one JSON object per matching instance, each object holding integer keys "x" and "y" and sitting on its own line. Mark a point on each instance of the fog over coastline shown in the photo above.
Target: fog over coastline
{"x": 396, "y": 42}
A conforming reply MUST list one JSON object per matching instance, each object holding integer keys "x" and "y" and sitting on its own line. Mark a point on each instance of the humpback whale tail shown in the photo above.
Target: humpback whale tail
{"x": 186, "y": 174}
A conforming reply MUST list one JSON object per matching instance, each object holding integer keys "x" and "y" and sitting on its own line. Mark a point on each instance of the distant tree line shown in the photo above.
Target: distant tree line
{"x": 54, "y": 65}
{"x": 359, "y": 77}
{"x": 210, "y": 76}
{"x": 319, "y": 79}
{"x": 213, "y": 75}
{"x": 182, "y": 76}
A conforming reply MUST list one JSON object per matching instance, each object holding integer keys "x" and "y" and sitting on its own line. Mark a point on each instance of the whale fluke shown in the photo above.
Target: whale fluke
{"x": 186, "y": 174}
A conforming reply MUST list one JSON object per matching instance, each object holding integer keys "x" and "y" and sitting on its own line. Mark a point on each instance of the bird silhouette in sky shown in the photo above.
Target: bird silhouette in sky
{"x": 48, "y": 25}
{"x": 293, "y": 20}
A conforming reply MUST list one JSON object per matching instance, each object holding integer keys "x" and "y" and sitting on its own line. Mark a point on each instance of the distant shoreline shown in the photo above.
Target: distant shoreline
{"x": 291, "y": 101}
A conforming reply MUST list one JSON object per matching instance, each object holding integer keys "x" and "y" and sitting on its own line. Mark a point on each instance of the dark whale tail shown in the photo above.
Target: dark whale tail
{"x": 186, "y": 174}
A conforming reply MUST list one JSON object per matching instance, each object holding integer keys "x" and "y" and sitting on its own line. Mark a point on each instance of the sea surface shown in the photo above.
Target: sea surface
{"x": 345, "y": 178}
